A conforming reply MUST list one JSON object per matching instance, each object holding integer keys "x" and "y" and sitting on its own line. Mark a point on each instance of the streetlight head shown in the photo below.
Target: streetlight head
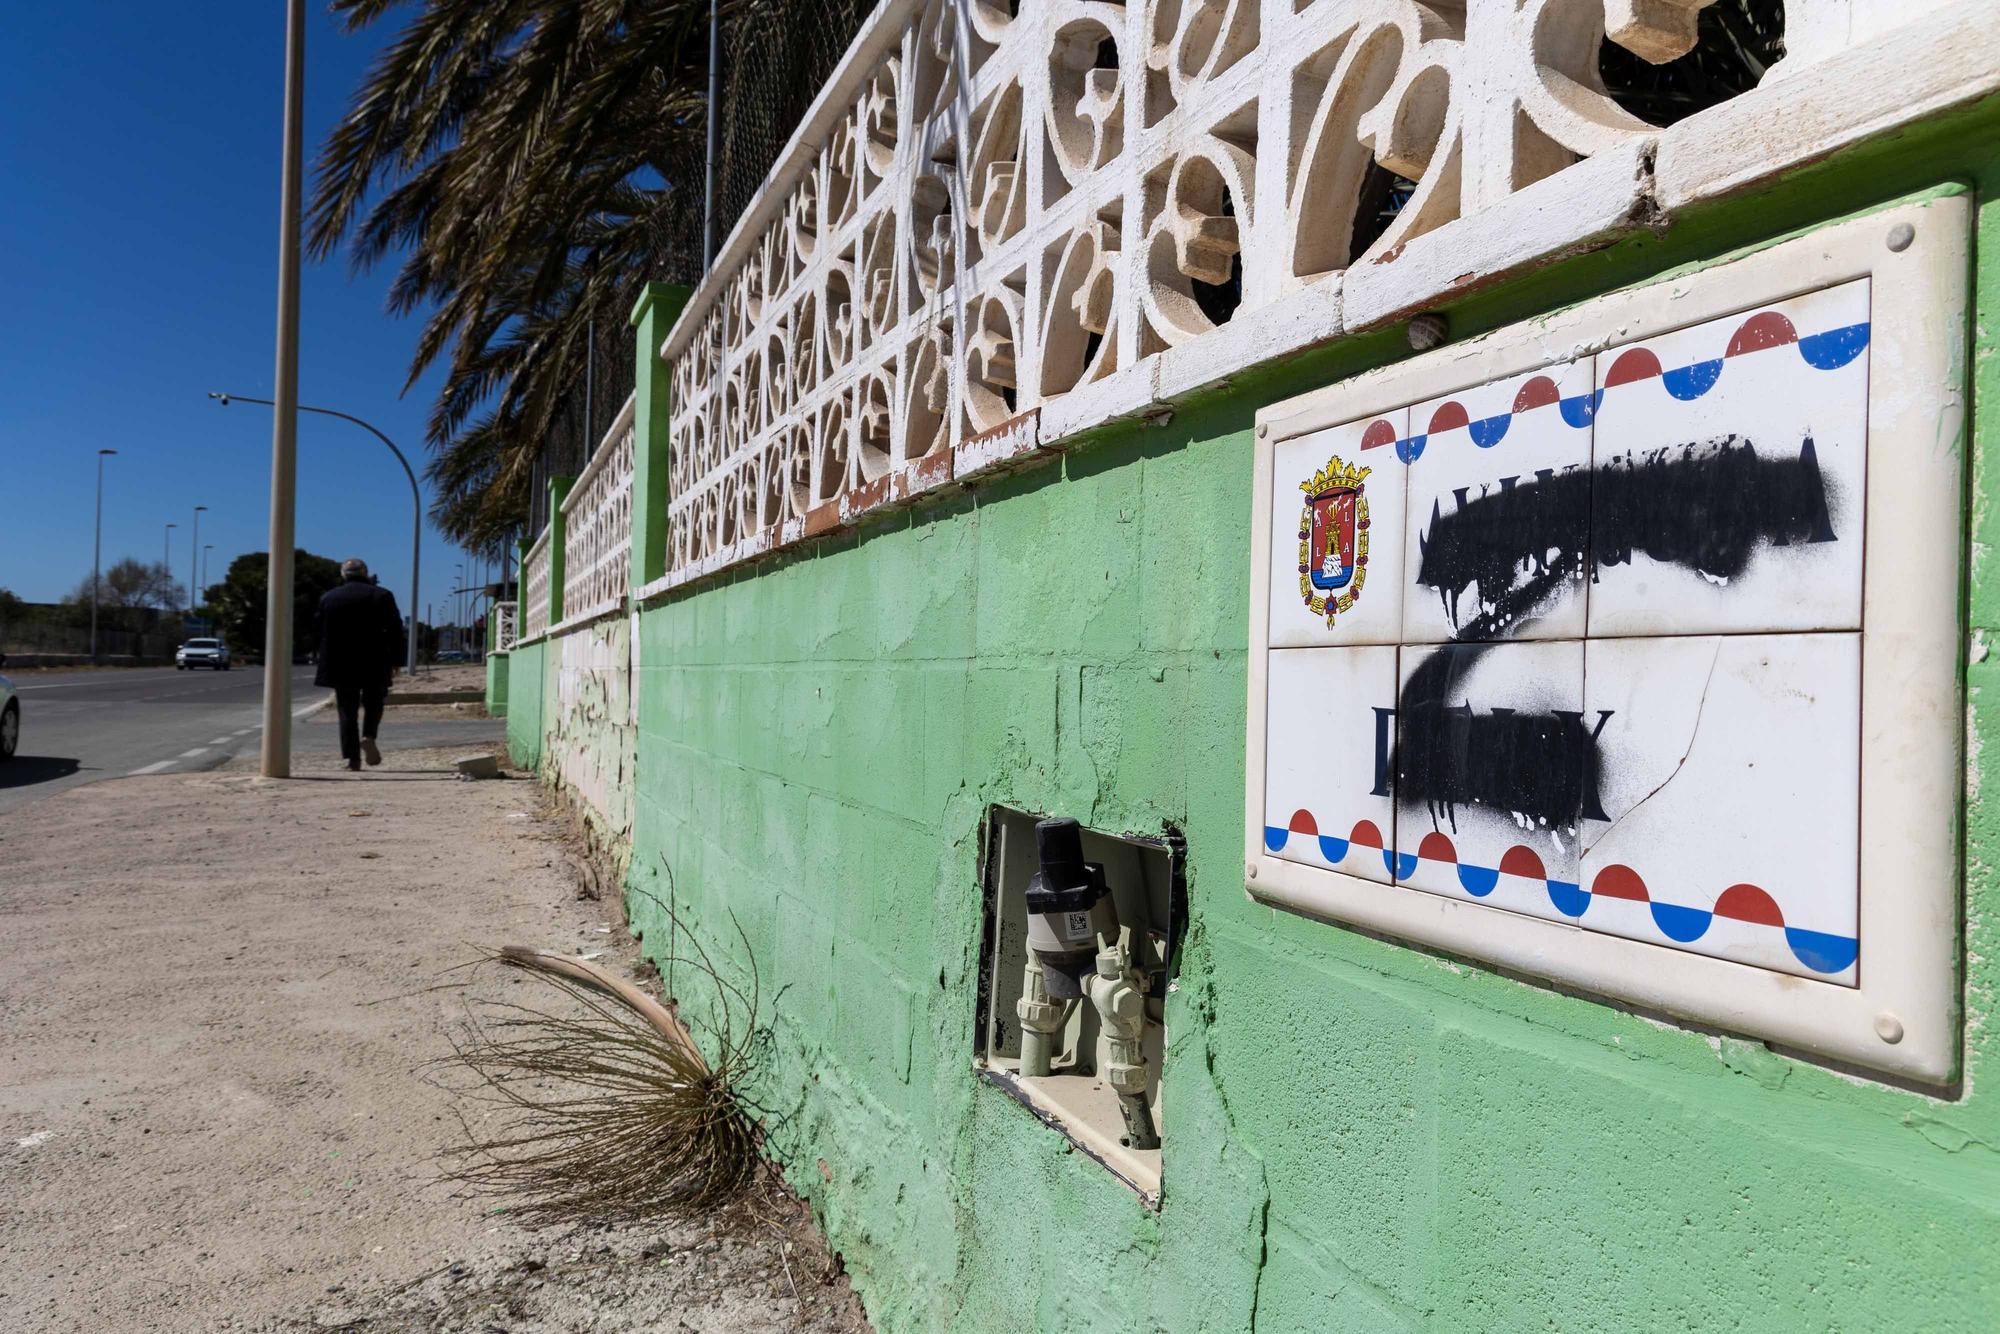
{"x": 199, "y": 508}
{"x": 107, "y": 451}
{"x": 220, "y": 398}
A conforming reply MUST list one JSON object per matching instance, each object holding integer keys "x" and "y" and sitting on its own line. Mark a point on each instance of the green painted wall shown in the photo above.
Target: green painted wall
{"x": 496, "y": 684}
{"x": 1360, "y": 1135}
{"x": 527, "y": 697}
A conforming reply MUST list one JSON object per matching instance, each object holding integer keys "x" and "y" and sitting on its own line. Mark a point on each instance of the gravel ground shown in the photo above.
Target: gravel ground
{"x": 215, "y": 997}
{"x": 451, "y": 676}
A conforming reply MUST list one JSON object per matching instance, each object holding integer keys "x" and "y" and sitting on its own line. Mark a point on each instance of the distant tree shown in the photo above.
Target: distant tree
{"x": 132, "y": 583}
{"x": 237, "y": 603}
{"x": 10, "y": 604}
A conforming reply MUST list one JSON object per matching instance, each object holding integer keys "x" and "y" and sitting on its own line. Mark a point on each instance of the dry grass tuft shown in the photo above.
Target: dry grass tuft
{"x": 608, "y": 1112}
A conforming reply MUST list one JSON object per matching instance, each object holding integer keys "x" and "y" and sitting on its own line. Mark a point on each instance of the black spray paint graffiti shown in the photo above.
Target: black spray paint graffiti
{"x": 1704, "y": 508}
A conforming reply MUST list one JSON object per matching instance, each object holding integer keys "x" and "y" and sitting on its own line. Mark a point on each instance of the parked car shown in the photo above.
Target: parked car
{"x": 210, "y": 653}
{"x": 10, "y": 716}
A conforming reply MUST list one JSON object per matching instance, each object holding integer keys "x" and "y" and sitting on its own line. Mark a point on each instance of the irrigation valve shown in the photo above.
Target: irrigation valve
{"x": 1069, "y": 907}
{"x": 1077, "y": 948}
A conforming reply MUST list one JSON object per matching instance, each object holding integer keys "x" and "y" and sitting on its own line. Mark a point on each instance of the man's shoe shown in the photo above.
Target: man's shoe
{"x": 354, "y": 764}
{"x": 369, "y": 749}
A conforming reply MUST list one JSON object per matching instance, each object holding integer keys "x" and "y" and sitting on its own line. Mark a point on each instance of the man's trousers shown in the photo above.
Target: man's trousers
{"x": 360, "y": 714}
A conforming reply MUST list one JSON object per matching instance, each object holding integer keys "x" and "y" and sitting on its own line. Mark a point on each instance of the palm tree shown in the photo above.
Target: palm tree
{"x": 532, "y": 163}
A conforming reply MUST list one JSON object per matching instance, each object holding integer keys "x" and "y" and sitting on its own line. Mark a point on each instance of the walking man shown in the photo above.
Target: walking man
{"x": 360, "y": 643}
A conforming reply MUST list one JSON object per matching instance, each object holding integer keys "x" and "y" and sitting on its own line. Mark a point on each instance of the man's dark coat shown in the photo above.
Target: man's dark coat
{"x": 360, "y": 637}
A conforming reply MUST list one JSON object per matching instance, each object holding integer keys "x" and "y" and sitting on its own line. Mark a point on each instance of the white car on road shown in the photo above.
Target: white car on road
{"x": 10, "y": 716}
{"x": 210, "y": 653}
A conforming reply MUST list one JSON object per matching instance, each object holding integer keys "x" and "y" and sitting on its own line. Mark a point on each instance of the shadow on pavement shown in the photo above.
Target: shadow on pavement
{"x": 377, "y": 776}
{"x": 27, "y": 770}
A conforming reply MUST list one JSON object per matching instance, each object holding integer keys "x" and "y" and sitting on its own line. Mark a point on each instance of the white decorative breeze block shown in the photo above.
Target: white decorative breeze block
{"x": 597, "y": 525}
{"x": 1078, "y": 208}
{"x": 535, "y": 587}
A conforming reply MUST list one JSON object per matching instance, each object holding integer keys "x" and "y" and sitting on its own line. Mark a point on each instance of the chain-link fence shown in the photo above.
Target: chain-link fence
{"x": 772, "y": 68}
{"x": 586, "y": 413}
{"x": 775, "y": 58}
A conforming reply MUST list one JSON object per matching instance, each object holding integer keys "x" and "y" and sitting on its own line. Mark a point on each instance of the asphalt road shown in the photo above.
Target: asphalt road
{"x": 82, "y": 727}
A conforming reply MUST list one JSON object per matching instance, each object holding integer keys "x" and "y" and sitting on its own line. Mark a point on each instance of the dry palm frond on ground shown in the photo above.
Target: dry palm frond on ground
{"x": 608, "y": 1112}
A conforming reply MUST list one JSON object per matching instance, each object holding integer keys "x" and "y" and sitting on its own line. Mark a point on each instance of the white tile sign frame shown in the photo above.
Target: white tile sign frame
{"x": 1844, "y": 655}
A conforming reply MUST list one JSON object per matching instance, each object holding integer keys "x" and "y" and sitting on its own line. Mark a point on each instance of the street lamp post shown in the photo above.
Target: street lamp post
{"x": 416, "y": 498}
{"x": 275, "y": 761}
{"x": 194, "y": 555}
{"x": 97, "y": 553}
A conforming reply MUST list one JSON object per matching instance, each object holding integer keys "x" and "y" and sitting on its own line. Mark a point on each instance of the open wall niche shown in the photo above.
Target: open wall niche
{"x": 1145, "y": 892}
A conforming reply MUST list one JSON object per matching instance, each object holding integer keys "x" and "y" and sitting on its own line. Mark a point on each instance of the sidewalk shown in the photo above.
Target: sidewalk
{"x": 213, "y": 997}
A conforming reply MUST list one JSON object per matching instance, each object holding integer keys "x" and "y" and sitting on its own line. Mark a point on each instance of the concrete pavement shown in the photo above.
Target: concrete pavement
{"x": 83, "y": 726}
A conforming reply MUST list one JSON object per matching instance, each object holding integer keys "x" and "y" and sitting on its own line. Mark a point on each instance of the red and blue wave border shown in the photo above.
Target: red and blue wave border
{"x": 1820, "y": 951}
{"x": 1827, "y": 350}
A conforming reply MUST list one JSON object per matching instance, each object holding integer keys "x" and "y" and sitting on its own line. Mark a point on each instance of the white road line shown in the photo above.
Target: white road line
{"x": 153, "y": 768}
{"x": 221, "y": 741}
{"x": 194, "y": 754}
{"x": 244, "y": 731}
{"x": 74, "y": 685}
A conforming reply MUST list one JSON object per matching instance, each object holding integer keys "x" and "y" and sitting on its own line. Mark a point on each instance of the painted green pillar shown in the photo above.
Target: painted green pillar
{"x": 558, "y": 539}
{"x": 654, "y": 314}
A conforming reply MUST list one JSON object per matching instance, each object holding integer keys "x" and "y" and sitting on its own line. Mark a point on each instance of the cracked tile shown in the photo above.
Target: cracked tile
{"x": 1495, "y": 544}
{"x": 1491, "y": 774}
{"x": 1729, "y": 771}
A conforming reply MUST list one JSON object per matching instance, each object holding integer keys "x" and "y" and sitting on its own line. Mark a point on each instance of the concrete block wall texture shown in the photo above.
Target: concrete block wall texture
{"x": 589, "y": 732}
{"x": 527, "y": 697}
{"x": 1360, "y": 1135}
{"x": 496, "y": 684}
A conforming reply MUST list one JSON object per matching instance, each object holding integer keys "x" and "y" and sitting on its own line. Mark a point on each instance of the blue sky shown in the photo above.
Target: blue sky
{"x": 139, "y": 153}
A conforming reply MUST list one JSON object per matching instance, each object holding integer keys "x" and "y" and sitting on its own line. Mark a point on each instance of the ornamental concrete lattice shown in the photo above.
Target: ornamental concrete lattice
{"x": 1003, "y": 216}
{"x": 1593, "y": 676}
{"x": 535, "y": 587}
{"x": 597, "y": 519}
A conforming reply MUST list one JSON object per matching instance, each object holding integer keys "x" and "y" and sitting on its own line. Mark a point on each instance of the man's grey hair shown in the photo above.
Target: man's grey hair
{"x": 354, "y": 568}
